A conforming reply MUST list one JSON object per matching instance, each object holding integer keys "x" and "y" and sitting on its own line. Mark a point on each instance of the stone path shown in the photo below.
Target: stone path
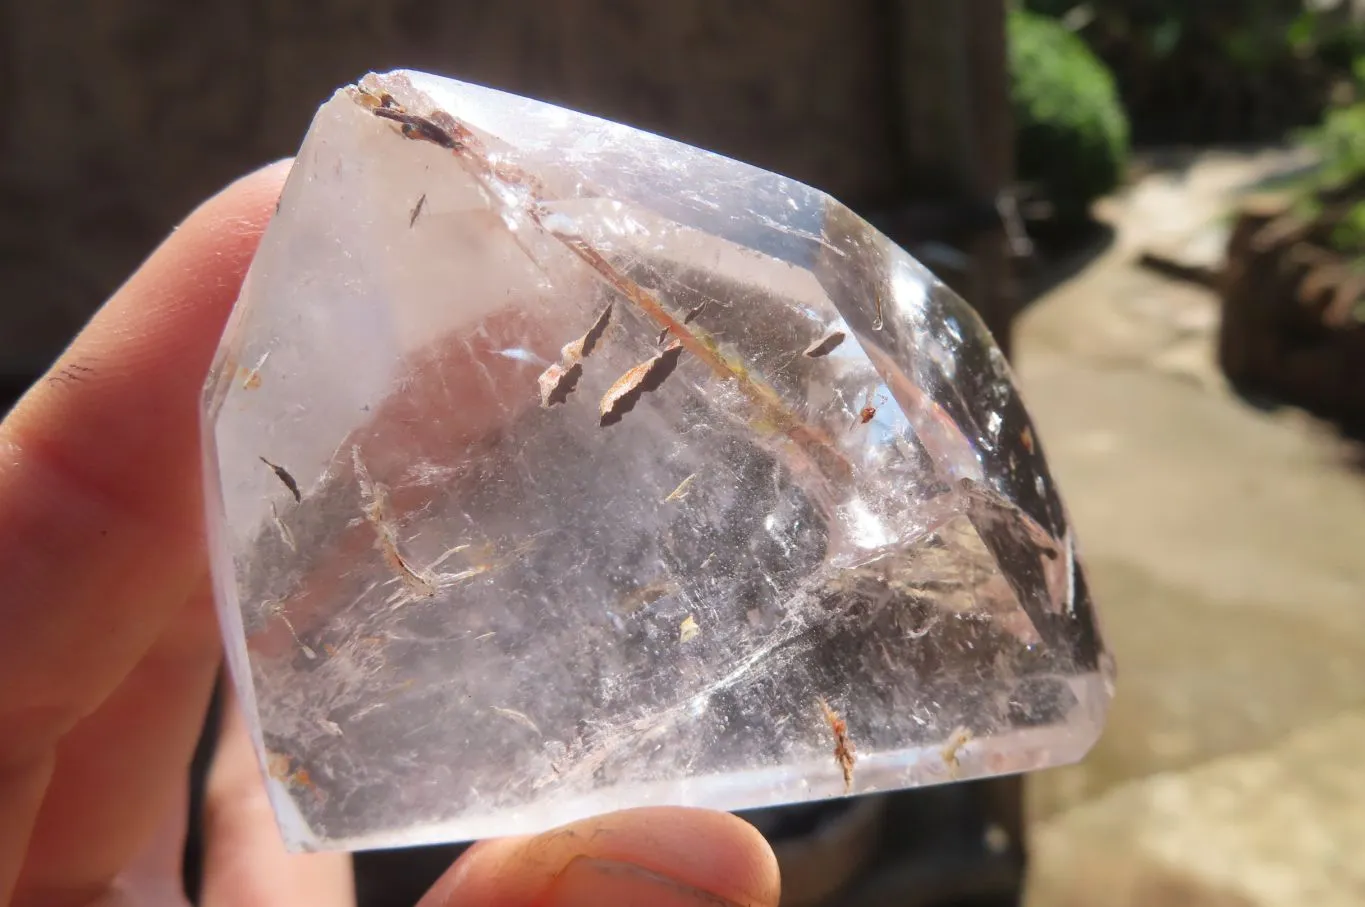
{"x": 1226, "y": 550}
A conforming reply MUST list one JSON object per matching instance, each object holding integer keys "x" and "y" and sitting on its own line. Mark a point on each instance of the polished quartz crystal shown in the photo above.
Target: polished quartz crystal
{"x": 553, "y": 467}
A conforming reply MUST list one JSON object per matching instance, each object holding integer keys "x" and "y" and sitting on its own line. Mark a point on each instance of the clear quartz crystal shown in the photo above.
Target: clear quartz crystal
{"x": 554, "y": 467}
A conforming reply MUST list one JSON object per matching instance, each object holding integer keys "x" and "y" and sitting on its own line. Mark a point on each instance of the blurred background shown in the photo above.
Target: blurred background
{"x": 1158, "y": 206}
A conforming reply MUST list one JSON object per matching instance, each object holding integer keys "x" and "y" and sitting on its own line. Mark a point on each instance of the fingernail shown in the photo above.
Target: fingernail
{"x": 588, "y": 882}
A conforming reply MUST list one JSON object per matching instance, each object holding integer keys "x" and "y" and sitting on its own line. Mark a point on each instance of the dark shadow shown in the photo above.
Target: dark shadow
{"x": 399, "y": 878}
{"x": 1351, "y": 430}
{"x": 1349, "y": 427}
{"x": 1058, "y": 256}
{"x": 1259, "y": 400}
{"x": 12, "y": 387}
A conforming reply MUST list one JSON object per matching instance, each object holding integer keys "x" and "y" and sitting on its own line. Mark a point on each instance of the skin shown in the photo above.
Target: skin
{"x": 109, "y": 647}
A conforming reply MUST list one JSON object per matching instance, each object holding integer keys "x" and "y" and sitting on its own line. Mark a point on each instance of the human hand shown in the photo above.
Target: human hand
{"x": 109, "y": 648}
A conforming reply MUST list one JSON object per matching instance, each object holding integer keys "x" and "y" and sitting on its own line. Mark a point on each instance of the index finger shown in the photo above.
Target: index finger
{"x": 100, "y": 536}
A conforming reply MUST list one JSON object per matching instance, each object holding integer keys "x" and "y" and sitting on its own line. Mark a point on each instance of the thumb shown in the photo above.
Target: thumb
{"x": 660, "y": 856}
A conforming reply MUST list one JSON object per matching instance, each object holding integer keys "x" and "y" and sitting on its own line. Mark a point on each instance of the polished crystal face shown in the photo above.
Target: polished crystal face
{"x": 554, "y": 467}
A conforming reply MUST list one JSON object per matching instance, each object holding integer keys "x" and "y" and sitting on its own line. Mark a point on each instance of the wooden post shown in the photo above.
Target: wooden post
{"x": 957, "y": 130}
{"x": 957, "y": 135}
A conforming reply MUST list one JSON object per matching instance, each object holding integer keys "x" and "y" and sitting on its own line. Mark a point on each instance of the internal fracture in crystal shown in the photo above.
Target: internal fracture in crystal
{"x": 554, "y": 467}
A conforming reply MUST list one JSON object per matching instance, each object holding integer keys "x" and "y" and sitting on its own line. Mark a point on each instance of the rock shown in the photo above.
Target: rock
{"x": 1293, "y": 322}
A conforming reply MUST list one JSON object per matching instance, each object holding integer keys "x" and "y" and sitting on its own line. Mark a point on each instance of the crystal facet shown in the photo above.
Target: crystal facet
{"x": 554, "y": 467}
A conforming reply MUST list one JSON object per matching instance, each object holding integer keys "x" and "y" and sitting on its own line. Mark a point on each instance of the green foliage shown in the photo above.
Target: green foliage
{"x": 1072, "y": 133}
{"x": 1340, "y": 142}
{"x": 1217, "y": 70}
{"x": 1348, "y": 234}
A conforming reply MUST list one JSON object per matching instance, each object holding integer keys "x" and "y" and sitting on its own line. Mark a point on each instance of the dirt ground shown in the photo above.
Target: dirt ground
{"x": 1226, "y": 549}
